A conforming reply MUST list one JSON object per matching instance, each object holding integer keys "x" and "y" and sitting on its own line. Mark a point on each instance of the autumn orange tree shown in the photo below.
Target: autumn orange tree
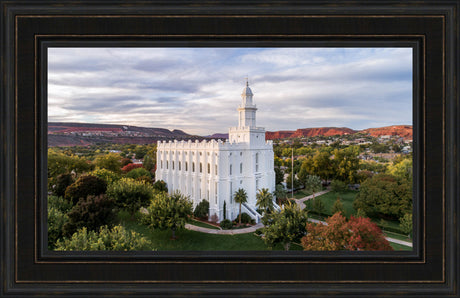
{"x": 339, "y": 234}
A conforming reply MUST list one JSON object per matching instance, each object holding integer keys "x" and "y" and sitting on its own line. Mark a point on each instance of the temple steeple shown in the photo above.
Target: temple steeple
{"x": 247, "y": 109}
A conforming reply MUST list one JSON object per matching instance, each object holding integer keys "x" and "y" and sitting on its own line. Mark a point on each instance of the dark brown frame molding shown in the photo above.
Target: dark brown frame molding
{"x": 29, "y": 28}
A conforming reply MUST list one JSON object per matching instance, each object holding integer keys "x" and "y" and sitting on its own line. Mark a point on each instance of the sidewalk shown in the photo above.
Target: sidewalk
{"x": 224, "y": 232}
{"x": 300, "y": 202}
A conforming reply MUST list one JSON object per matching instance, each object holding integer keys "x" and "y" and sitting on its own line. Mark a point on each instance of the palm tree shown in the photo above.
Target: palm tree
{"x": 265, "y": 200}
{"x": 241, "y": 197}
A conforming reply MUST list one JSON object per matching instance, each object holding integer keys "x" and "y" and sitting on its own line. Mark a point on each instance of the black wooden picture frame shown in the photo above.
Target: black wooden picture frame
{"x": 28, "y": 28}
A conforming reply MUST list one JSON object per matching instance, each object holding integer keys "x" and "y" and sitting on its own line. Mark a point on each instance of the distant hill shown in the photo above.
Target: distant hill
{"x": 83, "y": 134}
{"x": 404, "y": 131}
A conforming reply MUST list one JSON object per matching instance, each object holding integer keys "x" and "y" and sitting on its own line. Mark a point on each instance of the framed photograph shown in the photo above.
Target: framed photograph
{"x": 187, "y": 73}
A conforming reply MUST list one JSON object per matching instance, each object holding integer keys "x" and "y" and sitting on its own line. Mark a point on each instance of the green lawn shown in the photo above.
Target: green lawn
{"x": 300, "y": 194}
{"x": 191, "y": 240}
{"x": 399, "y": 246}
{"x": 202, "y": 224}
{"x": 347, "y": 199}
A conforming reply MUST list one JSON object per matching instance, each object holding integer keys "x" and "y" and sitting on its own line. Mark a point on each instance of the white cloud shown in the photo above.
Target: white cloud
{"x": 198, "y": 89}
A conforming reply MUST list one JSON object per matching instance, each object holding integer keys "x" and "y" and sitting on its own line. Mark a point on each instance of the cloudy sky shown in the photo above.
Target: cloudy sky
{"x": 198, "y": 89}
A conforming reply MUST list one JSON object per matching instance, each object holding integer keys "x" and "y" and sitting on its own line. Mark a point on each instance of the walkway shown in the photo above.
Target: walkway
{"x": 224, "y": 232}
{"x": 301, "y": 201}
{"x": 387, "y": 238}
{"x": 260, "y": 225}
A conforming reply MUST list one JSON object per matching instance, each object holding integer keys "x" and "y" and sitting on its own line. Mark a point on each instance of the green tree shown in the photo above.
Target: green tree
{"x": 117, "y": 239}
{"x": 108, "y": 176}
{"x": 313, "y": 184}
{"x": 84, "y": 186}
{"x": 62, "y": 182}
{"x": 346, "y": 163}
{"x": 56, "y": 221}
{"x": 318, "y": 206}
{"x": 289, "y": 182}
{"x": 131, "y": 194}
{"x": 285, "y": 226}
{"x": 60, "y": 163}
{"x": 168, "y": 212}
{"x": 160, "y": 185}
{"x": 202, "y": 210}
{"x": 136, "y": 173}
{"x": 150, "y": 159}
{"x": 338, "y": 207}
{"x": 110, "y": 161}
{"x": 338, "y": 186}
{"x": 240, "y": 198}
{"x": 90, "y": 212}
{"x": 385, "y": 195}
{"x": 406, "y": 224}
{"x": 402, "y": 169}
{"x": 279, "y": 176}
{"x": 264, "y": 200}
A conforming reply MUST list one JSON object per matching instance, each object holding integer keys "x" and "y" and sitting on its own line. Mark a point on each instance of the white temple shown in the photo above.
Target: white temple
{"x": 215, "y": 170}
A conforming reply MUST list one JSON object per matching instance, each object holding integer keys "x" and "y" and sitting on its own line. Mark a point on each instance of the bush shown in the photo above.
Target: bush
{"x": 108, "y": 176}
{"x": 117, "y": 238}
{"x": 160, "y": 185}
{"x": 126, "y": 161}
{"x": 138, "y": 172}
{"x": 338, "y": 186}
{"x": 130, "y": 194}
{"x": 56, "y": 221}
{"x": 129, "y": 167}
{"x": 201, "y": 210}
{"x": 226, "y": 224}
{"x": 59, "y": 203}
{"x": 62, "y": 182}
{"x": 84, "y": 186}
{"x": 92, "y": 212}
{"x": 246, "y": 218}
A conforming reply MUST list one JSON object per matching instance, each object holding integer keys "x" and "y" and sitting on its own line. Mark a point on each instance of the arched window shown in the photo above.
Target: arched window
{"x": 216, "y": 169}
{"x": 173, "y": 165}
{"x": 193, "y": 167}
{"x": 179, "y": 165}
{"x": 186, "y": 166}
{"x": 161, "y": 164}
{"x": 167, "y": 165}
{"x": 230, "y": 169}
{"x": 201, "y": 167}
{"x": 257, "y": 162}
{"x": 209, "y": 168}
{"x": 241, "y": 168}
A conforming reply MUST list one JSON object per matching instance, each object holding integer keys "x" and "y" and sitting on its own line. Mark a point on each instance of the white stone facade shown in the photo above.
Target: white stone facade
{"x": 215, "y": 170}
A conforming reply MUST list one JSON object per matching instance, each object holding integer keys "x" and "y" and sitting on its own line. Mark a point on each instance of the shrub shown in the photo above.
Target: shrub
{"x": 56, "y": 221}
{"x": 108, "y": 176}
{"x": 91, "y": 212}
{"x": 160, "y": 185}
{"x": 201, "y": 210}
{"x": 117, "y": 238}
{"x": 126, "y": 161}
{"x": 129, "y": 167}
{"x": 84, "y": 186}
{"x": 145, "y": 179}
{"x": 246, "y": 218}
{"x": 338, "y": 186}
{"x": 130, "y": 194}
{"x": 110, "y": 161}
{"x": 62, "y": 182}
{"x": 168, "y": 212}
{"x": 59, "y": 203}
{"x": 137, "y": 172}
{"x": 226, "y": 224}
